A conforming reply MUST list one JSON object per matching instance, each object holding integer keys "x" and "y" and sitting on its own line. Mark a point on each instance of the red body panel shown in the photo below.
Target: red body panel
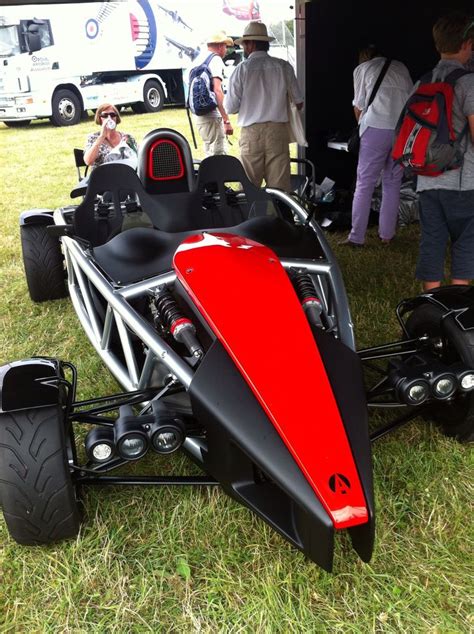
{"x": 247, "y": 299}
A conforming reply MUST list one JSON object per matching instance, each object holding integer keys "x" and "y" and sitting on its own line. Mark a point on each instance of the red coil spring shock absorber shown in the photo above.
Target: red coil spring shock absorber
{"x": 309, "y": 300}
{"x": 181, "y": 328}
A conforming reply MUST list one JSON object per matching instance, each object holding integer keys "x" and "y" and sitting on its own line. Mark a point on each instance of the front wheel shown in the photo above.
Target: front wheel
{"x": 36, "y": 489}
{"x": 66, "y": 108}
{"x": 455, "y": 416}
{"x": 153, "y": 98}
{"x": 43, "y": 263}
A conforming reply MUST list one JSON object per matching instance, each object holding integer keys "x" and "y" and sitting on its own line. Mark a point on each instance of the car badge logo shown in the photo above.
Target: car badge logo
{"x": 339, "y": 483}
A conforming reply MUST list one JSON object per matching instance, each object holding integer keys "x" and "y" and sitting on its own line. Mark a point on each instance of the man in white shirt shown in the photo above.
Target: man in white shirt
{"x": 214, "y": 127}
{"x": 258, "y": 90}
{"x": 377, "y": 123}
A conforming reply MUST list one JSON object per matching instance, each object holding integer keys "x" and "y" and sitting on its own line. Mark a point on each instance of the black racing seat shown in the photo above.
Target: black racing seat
{"x": 99, "y": 217}
{"x": 101, "y": 213}
{"x": 140, "y": 253}
{"x": 165, "y": 163}
{"x": 235, "y": 196}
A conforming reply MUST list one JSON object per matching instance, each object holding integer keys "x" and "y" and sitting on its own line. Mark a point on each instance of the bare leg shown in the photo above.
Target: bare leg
{"x": 428, "y": 286}
{"x": 463, "y": 282}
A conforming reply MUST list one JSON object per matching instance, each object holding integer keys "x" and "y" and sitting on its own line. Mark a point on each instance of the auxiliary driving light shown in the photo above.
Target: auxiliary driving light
{"x": 167, "y": 435}
{"x": 99, "y": 444}
{"x": 131, "y": 439}
{"x": 411, "y": 387}
{"x": 444, "y": 386}
{"x": 467, "y": 381}
{"x": 417, "y": 392}
{"x": 414, "y": 392}
{"x": 464, "y": 376}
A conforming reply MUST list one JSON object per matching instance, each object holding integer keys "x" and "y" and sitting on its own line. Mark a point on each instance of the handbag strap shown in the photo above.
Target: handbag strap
{"x": 379, "y": 81}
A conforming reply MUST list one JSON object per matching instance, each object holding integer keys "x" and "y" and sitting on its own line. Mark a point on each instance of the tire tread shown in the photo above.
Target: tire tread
{"x": 36, "y": 488}
{"x": 43, "y": 263}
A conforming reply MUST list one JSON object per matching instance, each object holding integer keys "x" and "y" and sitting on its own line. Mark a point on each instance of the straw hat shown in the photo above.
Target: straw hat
{"x": 220, "y": 38}
{"x": 255, "y": 31}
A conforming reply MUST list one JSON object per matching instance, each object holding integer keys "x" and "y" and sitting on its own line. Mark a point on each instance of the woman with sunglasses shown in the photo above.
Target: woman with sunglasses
{"x": 109, "y": 144}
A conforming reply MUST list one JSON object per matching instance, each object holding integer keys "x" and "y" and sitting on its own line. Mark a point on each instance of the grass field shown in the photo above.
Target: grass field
{"x": 191, "y": 560}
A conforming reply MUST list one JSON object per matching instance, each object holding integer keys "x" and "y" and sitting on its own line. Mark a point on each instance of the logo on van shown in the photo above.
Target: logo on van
{"x": 92, "y": 28}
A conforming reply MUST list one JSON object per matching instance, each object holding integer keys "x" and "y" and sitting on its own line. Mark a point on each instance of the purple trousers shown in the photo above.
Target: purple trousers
{"x": 375, "y": 159}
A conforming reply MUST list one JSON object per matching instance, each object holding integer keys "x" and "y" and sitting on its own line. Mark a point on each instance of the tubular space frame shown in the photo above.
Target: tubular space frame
{"x": 84, "y": 274}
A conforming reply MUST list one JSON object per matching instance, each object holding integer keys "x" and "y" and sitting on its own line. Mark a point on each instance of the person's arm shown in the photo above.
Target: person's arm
{"x": 91, "y": 151}
{"x": 219, "y": 93}
{"x": 296, "y": 95}
{"x": 359, "y": 93}
{"x": 357, "y": 113}
{"x": 234, "y": 92}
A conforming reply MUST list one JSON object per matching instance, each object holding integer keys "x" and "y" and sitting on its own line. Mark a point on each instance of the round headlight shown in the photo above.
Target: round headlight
{"x": 417, "y": 392}
{"x": 444, "y": 387}
{"x": 132, "y": 445}
{"x": 99, "y": 444}
{"x": 167, "y": 435}
{"x": 467, "y": 381}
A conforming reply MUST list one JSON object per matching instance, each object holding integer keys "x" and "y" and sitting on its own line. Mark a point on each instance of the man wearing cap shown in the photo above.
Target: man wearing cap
{"x": 214, "y": 126}
{"x": 258, "y": 90}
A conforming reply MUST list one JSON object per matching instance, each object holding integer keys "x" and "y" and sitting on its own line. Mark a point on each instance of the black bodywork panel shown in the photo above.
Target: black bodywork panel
{"x": 251, "y": 461}
{"x": 459, "y": 299}
{"x": 30, "y": 383}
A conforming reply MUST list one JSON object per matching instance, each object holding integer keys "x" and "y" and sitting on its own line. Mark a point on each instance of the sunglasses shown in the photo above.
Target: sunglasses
{"x": 104, "y": 115}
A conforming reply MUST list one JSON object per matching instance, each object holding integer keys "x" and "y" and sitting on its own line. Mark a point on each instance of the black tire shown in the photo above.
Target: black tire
{"x": 43, "y": 262}
{"x": 66, "y": 108}
{"x": 36, "y": 489}
{"x": 18, "y": 124}
{"x": 153, "y": 98}
{"x": 456, "y": 417}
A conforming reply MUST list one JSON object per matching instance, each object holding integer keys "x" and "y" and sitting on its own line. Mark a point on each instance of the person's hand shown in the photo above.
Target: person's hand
{"x": 104, "y": 130}
{"x": 228, "y": 129}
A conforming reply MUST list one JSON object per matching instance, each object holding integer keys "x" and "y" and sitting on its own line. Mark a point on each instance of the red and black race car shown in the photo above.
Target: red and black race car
{"x": 221, "y": 311}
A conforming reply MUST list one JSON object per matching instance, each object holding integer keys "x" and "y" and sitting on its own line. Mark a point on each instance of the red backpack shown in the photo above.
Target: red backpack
{"x": 425, "y": 141}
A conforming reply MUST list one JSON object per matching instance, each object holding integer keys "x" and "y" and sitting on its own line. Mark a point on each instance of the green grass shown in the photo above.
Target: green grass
{"x": 188, "y": 560}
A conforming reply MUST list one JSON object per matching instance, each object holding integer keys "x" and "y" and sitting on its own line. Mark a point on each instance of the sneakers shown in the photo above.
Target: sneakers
{"x": 349, "y": 243}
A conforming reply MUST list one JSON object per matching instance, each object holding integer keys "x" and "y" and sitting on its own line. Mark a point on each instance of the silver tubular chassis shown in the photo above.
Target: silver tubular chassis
{"x": 83, "y": 275}
{"x": 85, "y": 278}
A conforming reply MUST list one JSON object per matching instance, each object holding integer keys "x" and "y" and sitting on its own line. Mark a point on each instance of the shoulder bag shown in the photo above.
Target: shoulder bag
{"x": 353, "y": 143}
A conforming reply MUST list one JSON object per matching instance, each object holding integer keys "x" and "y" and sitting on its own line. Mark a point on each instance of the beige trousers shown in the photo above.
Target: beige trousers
{"x": 265, "y": 154}
{"x": 211, "y": 131}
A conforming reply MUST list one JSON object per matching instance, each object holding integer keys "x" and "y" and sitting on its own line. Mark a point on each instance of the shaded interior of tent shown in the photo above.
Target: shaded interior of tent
{"x": 335, "y": 31}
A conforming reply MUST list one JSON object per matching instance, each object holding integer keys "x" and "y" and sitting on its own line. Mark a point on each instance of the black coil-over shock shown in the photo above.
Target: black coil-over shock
{"x": 308, "y": 297}
{"x": 181, "y": 328}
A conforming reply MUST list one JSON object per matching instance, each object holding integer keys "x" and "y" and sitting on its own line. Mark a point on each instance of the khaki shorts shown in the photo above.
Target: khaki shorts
{"x": 211, "y": 131}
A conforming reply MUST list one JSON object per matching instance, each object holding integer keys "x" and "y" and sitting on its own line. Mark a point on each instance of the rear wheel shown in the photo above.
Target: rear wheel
{"x": 456, "y": 416}
{"x": 43, "y": 262}
{"x": 153, "y": 98}
{"x": 36, "y": 489}
{"x": 66, "y": 108}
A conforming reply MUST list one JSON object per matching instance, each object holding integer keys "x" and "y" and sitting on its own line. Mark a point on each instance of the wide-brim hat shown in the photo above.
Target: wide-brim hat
{"x": 255, "y": 31}
{"x": 220, "y": 38}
